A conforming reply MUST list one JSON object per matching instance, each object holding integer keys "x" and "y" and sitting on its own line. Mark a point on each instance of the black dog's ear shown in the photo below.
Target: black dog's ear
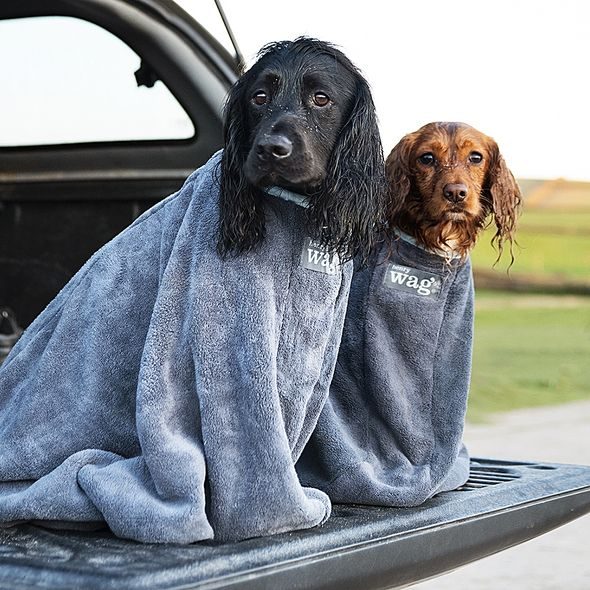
{"x": 349, "y": 210}
{"x": 502, "y": 190}
{"x": 241, "y": 215}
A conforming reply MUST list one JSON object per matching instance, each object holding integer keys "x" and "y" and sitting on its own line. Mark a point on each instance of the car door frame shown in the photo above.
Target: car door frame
{"x": 197, "y": 70}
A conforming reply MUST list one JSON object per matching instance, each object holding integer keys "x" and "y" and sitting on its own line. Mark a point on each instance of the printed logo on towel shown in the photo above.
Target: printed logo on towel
{"x": 316, "y": 257}
{"x": 412, "y": 280}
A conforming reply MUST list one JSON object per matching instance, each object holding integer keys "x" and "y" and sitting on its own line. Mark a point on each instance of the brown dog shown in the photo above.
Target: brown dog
{"x": 448, "y": 182}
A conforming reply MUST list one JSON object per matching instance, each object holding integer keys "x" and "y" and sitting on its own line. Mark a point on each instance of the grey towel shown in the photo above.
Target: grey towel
{"x": 390, "y": 433}
{"x": 168, "y": 391}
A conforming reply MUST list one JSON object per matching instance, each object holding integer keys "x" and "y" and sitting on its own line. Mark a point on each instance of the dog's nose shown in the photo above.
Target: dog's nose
{"x": 455, "y": 193}
{"x": 274, "y": 147}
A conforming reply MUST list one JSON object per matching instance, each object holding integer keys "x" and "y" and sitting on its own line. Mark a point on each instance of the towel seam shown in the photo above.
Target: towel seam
{"x": 435, "y": 363}
{"x": 364, "y": 370}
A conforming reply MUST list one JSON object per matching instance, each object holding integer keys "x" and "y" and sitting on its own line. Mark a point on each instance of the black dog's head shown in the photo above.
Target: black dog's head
{"x": 302, "y": 118}
{"x": 298, "y": 100}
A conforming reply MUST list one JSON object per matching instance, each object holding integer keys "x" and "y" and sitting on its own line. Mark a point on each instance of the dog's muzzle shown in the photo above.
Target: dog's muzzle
{"x": 274, "y": 147}
{"x": 281, "y": 154}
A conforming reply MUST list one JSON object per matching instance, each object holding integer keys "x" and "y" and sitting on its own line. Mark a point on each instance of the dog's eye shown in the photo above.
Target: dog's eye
{"x": 321, "y": 99}
{"x": 475, "y": 157}
{"x": 427, "y": 159}
{"x": 260, "y": 97}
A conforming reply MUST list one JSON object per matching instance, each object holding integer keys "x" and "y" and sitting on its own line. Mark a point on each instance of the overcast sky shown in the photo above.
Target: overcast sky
{"x": 518, "y": 70}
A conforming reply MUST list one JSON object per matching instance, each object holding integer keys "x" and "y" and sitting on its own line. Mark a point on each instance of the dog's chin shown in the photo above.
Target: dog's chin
{"x": 455, "y": 215}
{"x": 305, "y": 183}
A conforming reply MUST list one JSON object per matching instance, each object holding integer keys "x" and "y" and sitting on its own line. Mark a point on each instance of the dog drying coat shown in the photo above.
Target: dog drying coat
{"x": 168, "y": 391}
{"x": 390, "y": 433}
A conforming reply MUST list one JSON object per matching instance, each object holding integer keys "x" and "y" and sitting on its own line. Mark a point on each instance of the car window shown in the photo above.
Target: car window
{"x": 65, "y": 80}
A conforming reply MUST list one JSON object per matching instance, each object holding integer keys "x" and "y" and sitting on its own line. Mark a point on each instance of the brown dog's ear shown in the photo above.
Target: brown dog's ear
{"x": 505, "y": 197}
{"x": 398, "y": 173}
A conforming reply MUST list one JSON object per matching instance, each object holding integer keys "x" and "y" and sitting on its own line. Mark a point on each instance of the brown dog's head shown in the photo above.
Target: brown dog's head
{"x": 447, "y": 182}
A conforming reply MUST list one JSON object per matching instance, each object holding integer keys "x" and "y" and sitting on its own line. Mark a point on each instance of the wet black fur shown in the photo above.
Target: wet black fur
{"x": 337, "y": 158}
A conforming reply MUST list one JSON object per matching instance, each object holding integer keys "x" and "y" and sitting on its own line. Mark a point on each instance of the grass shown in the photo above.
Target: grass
{"x": 533, "y": 350}
{"x": 533, "y": 219}
{"x": 547, "y": 245}
{"x": 529, "y": 350}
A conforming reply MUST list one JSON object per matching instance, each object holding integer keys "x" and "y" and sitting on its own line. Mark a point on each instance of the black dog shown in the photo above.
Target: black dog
{"x": 302, "y": 118}
{"x": 173, "y": 383}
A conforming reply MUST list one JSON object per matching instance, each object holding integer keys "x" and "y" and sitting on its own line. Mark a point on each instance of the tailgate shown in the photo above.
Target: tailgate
{"x": 503, "y": 503}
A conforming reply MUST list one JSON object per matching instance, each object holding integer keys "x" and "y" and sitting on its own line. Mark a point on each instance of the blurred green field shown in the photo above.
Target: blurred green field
{"x": 529, "y": 350}
{"x": 532, "y": 350}
{"x": 562, "y": 219}
{"x": 550, "y": 242}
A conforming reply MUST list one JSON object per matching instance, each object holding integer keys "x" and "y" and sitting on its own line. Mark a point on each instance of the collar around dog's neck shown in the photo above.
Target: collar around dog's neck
{"x": 287, "y": 195}
{"x": 448, "y": 254}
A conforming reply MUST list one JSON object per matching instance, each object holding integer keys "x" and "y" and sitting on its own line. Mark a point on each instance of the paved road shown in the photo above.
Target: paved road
{"x": 559, "y": 560}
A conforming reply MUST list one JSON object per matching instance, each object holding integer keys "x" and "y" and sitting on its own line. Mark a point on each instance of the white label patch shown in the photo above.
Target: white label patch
{"x": 316, "y": 257}
{"x": 412, "y": 280}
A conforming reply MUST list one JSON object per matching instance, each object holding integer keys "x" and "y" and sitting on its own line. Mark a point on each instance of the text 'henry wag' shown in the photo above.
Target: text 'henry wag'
{"x": 412, "y": 280}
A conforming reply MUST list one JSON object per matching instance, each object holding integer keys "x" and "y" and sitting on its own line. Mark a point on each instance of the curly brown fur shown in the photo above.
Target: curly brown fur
{"x": 447, "y": 182}
{"x": 303, "y": 118}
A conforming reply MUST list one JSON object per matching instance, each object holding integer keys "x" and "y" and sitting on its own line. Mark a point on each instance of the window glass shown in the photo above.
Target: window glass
{"x": 65, "y": 80}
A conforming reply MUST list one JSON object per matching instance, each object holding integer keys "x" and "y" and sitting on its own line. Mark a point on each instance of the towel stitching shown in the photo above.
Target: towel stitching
{"x": 436, "y": 360}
